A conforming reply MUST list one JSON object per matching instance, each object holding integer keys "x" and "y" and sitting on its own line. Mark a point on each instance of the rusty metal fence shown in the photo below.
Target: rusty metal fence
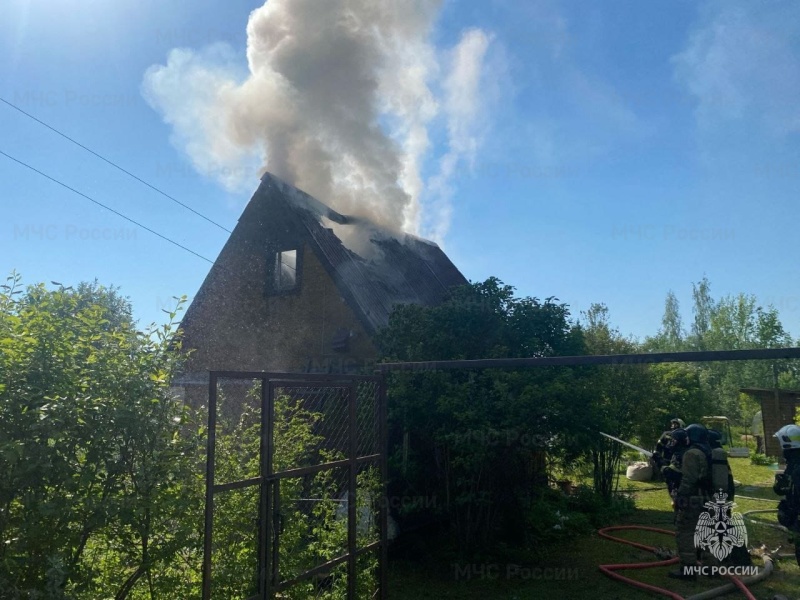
{"x": 295, "y": 487}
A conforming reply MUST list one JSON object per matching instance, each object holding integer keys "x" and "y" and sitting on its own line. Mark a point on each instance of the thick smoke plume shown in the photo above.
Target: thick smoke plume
{"x": 338, "y": 98}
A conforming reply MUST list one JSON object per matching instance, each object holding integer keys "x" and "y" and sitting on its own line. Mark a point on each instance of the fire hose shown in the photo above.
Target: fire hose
{"x": 762, "y": 523}
{"x": 610, "y": 570}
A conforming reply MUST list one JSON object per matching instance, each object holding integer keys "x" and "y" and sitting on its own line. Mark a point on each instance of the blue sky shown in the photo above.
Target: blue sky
{"x": 597, "y": 153}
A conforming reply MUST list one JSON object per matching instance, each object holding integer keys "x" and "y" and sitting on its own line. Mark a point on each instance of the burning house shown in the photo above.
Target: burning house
{"x": 299, "y": 287}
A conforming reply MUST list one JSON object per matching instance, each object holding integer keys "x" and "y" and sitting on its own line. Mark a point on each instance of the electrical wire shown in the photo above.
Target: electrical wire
{"x": 116, "y": 212}
{"x": 113, "y": 164}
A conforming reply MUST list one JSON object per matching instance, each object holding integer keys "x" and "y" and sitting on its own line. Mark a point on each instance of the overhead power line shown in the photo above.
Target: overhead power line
{"x": 113, "y": 164}
{"x": 116, "y": 212}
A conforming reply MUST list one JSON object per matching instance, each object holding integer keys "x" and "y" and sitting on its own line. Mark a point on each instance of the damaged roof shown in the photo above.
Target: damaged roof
{"x": 373, "y": 268}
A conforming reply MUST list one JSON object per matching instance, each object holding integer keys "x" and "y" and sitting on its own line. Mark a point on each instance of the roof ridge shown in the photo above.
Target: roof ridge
{"x": 307, "y": 200}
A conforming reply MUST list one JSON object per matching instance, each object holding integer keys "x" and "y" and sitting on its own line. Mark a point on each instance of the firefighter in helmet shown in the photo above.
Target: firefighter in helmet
{"x": 665, "y": 446}
{"x": 787, "y": 484}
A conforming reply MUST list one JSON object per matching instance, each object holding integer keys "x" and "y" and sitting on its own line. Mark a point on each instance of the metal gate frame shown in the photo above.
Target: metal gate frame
{"x": 268, "y": 480}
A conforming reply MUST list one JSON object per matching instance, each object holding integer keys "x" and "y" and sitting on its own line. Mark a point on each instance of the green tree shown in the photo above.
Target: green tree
{"x": 678, "y": 391}
{"x": 616, "y": 397}
{"x": 94, "y": 467}
{"x": 637, "y": 401}
{"x": 703, "y": 307}
{"x": 733, "y": 322}
{"x": 671, "y": 334}
{"x": 472, "y": 438}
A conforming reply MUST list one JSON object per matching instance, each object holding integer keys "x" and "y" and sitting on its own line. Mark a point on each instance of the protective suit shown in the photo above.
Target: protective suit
{"x": 721, "y": 473}
{"x": 672, "y": 471}
{"x": 787, "y": 484}
{"x": 693, "y": 492}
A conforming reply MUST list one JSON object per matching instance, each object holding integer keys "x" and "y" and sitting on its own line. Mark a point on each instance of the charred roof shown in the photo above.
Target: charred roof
{"x": 374, "y": 268}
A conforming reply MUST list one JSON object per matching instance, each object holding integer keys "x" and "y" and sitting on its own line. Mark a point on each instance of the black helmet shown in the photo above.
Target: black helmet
{"x": 679, "y": 435}
{"x": 714, "y": 438}
{"x": 697, "y": 434}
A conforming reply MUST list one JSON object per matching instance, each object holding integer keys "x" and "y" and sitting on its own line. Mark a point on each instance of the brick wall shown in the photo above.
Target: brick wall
{"x": 236, "y": 325}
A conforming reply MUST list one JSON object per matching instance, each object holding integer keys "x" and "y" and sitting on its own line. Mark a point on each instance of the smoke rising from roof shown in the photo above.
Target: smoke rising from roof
{"x": 338, "y": 98}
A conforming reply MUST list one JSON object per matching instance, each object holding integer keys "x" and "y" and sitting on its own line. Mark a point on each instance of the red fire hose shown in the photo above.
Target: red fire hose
{"x": 610, "y": 569}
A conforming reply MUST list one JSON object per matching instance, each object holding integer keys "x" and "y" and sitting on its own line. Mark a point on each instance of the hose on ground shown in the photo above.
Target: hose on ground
{"x": 747, "y": 514}
{"x": 740, "y": 583}
{"x": 609, "y": 570}
{"x": 757, "y": 499}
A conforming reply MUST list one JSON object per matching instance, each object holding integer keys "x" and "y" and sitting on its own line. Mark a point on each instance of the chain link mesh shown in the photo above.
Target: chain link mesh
{"x": 308, "y": 514}
{"x": 367, "y": 417}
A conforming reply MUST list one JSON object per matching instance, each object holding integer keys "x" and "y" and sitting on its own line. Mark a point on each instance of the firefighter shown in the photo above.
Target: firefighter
{"x": 721, "y": 473}
{"x": 693, "y": 492}
{"x": 722, "y": 479}
{"x": 665, "y": 447}
{"x": 672, "y": 472}
{"x": 788, "y": 483}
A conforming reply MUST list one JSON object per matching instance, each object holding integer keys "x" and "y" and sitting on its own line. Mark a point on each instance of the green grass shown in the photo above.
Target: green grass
{"x": 438, "y": 572}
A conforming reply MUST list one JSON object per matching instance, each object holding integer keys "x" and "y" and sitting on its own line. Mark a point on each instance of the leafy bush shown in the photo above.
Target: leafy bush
{"x": 554, "y": 516}
{"x": 600, "y": 511}
{"x": 98, "y": 483}
{"x": 760, "y": 459}
{"x": 101, "y": 486}
{"x": 312, "y": 516}
{"x": 550, "y": 518}
{"x": 477, "y": 439}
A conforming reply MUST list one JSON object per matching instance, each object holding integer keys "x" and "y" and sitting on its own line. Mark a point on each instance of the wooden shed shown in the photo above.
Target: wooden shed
{"x": 778, "y": 408}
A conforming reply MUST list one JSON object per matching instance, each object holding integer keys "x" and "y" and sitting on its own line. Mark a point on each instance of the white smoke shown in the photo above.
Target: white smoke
{"x": 464, "y": 125}
{"x": 338, "y": 99}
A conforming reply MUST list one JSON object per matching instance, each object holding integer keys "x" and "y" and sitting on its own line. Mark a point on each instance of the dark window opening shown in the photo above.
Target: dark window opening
{"x": 284, "y": 271}
{"x": 341, "y": 340}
